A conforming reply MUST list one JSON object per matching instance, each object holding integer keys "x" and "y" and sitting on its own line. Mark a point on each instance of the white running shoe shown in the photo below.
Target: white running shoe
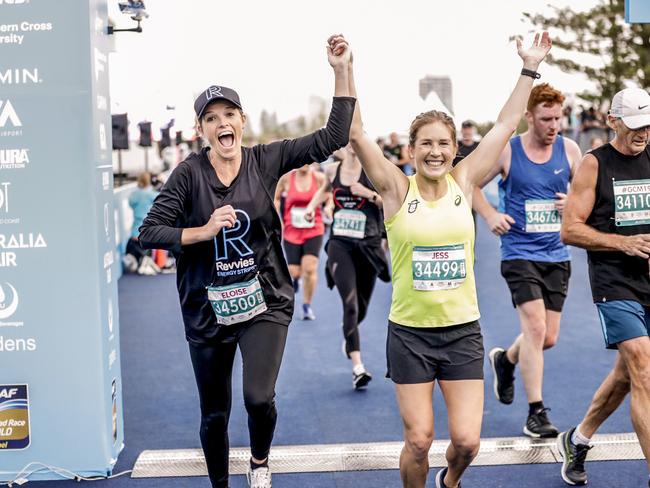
{"x": 259, "y": 477}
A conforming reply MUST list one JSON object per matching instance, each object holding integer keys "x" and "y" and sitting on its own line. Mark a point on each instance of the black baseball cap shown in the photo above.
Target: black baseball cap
{"x": 214, "y": 93}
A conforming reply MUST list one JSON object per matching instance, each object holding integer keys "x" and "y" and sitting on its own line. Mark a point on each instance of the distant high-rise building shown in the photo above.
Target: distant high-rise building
{"x": 439, "y": 84}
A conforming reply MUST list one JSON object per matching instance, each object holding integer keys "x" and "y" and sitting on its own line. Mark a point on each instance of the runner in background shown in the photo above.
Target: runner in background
{"x": 355, "y": 257}
{"x": 535, "y": 170}
{"x": 303, "y": 229}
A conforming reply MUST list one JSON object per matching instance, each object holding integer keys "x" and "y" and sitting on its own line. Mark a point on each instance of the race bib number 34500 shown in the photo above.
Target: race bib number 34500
{"x": 632, "y": 201}
{"x": 542, "y": 216}
{"x": 237, "y": 303}
{"x": 438, "y": 267}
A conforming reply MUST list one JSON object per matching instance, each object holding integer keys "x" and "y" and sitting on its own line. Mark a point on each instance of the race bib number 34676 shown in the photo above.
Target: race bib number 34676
{"x": 438, "y": 267}
{"x": 542, "y": 216}
{"x": 237, "y": 303}
{"x": 632, "y": 202}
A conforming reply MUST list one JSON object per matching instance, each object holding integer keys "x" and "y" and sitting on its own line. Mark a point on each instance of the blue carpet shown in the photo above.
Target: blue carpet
{"x": 315, "y": 398}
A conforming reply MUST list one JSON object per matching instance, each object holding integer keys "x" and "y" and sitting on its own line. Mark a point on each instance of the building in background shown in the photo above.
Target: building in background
{"x": 440, "y": 85}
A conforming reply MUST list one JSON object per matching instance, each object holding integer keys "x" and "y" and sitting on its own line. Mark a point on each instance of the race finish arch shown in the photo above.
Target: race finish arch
{"x": 60, "y": 381}
{"x": 637, "y": 11}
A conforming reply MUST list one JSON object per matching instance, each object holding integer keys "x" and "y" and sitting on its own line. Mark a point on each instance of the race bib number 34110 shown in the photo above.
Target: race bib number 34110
{"x": 632, "y": 202}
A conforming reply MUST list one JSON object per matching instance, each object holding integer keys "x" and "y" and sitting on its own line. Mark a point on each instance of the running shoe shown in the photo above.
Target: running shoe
{"x": 440, "y": 478}
{"x": 539, "y": 426}
{"x": 573, "y": 459}
{"x": 130, "y": 263}
{"x": 307, "y": 312}
{"x": 504, "y": 378}
{"x": 259, "y": 477}
{"x": 360, "y": 378}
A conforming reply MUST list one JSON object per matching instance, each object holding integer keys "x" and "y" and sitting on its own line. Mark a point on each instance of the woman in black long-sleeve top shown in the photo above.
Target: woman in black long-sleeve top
{"x": 216, "y": 214}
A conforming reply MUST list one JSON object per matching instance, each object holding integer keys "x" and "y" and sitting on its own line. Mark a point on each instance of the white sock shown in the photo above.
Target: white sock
{"x": 358, "y": 369}
{"x": 579, "y": 438}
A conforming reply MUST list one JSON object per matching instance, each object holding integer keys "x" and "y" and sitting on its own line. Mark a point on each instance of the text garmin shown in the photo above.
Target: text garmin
{"x": 20, "y": 76}
{"x": 230, "y": 241}
{"x": 14, "y": 158}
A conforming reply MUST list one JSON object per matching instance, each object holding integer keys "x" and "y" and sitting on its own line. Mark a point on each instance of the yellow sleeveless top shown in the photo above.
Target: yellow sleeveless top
{"x": 432, "y": 253}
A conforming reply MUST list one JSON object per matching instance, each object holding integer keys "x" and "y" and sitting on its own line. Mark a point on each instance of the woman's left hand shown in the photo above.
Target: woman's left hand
{"x": 534, "y": 55}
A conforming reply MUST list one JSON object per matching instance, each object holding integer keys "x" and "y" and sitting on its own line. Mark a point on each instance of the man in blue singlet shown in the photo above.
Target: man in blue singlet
{"x": 535, "y": 168}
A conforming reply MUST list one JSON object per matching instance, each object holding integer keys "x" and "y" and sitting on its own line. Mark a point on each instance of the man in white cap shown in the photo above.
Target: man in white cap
{"x": 608, "y": 214}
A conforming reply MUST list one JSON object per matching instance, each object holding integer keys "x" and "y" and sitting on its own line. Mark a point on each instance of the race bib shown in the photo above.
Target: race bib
{"x": 349, "y": 223}
{"x": 542, "y": 216}
{"x": 237, "y": 303}
{"x": 438, "y": 267}
{"x": 632, "y": 202}
{"x": 298, "y": 218}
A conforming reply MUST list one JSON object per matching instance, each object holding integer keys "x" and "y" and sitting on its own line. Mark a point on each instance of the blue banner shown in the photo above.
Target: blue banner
{"x": 60, "y": 378}
{"x": 637, "y": 11}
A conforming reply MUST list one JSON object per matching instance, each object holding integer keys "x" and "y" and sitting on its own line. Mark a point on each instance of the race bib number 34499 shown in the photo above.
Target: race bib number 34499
{"x": 237, "y": 303}
{"x": 438, "y": 267}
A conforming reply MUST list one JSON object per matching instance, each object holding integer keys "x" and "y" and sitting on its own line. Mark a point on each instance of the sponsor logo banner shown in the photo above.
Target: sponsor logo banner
{"x": 14, "y": 417}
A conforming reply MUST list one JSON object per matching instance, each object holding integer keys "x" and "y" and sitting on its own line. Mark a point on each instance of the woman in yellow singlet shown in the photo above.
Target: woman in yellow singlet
{"x": 433, "y": 331}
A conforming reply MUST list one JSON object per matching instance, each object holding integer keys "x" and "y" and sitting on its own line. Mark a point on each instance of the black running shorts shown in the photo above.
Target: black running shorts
{"x": 295, "y": 252}
{"x": 533, "y": 280}
{"x": 425, "y": 354}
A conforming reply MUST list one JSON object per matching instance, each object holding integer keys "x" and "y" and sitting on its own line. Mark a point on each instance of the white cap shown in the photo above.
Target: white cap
{"x": 632, "y": 105}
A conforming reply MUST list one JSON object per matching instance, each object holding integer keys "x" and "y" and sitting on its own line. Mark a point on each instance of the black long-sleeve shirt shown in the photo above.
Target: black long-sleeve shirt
{"x": 252, "y": 248}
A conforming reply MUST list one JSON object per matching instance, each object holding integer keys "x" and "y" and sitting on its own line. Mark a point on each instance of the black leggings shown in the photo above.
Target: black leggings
{"x": 354, "y": 278}
{"x": 262, "y": 345}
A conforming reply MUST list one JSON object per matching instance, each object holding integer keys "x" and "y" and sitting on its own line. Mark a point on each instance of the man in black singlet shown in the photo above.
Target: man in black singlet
{"x": 608, "y": 214}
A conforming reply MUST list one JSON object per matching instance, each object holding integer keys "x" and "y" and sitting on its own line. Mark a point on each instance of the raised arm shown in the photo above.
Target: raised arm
{"x": 387, "y": 178}
{"x": 473, "y": 169}
{"x": 580, "y": 204}
{"x": 281, "y": 157}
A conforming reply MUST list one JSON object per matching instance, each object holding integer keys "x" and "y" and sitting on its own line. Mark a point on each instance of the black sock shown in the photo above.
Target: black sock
{"x": 265, "y": 464}
{"x": 535, "y": 407}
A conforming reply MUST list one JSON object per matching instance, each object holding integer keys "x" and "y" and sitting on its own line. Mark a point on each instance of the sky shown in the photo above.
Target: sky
{"x": 273, "y": 53}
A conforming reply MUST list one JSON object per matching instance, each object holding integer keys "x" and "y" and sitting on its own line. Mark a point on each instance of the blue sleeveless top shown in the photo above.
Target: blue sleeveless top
{"x": 528, "y": 192}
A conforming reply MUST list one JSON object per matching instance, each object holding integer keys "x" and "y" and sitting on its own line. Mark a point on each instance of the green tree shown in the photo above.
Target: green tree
{"x": 620, "y": 51}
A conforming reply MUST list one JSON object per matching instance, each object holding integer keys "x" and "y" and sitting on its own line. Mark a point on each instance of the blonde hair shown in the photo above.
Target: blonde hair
{"x": 430, "y": 117}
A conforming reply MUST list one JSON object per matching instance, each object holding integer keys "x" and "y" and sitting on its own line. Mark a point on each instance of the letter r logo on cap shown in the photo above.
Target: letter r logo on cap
{"x": 213, "y": 91}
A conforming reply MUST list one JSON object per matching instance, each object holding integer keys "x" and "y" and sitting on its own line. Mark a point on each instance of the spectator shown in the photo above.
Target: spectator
{"x": 467, "y": 142}
{"x": 140, "y": 201}
{"x": 398, "y": 154}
